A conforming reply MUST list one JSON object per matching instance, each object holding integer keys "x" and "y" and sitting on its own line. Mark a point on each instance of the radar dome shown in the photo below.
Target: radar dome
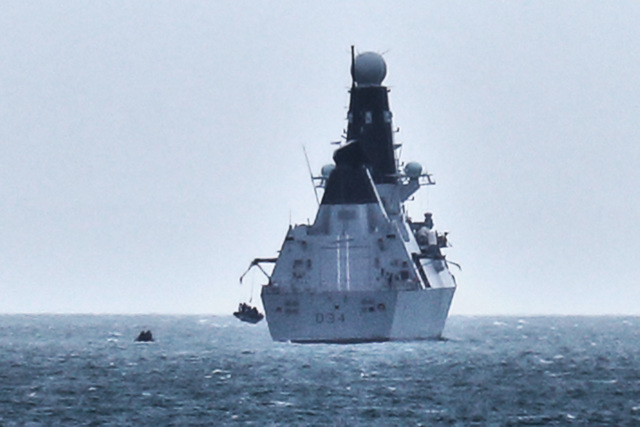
{"x": 413, "y": 170}
{"x": 326, "y": 170}
{"x": 369, "y": 69}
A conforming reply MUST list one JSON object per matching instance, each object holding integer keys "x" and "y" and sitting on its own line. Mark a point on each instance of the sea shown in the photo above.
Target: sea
{"x": 81, "y": 370}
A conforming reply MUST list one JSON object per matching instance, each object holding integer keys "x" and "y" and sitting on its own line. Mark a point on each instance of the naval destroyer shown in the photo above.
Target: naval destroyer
{"x": 363, "y": 271}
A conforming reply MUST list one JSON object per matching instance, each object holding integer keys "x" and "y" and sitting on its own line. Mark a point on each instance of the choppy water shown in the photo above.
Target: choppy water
{"x": 86, "y": 370}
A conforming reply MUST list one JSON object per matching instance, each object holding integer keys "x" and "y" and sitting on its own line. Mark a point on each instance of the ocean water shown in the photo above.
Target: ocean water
{"x": 87, "y": 370}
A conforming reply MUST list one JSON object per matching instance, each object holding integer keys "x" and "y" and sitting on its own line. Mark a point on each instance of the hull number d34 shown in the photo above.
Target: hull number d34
{"x": 329, "y": 318}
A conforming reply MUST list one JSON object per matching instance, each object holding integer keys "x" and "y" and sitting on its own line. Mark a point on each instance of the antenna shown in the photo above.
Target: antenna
{"x": 353, "y": 67}
{"x": 313, "y": 184}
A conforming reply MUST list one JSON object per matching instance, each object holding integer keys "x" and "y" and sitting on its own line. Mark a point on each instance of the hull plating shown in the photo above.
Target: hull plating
{"x": 353, "y": 317}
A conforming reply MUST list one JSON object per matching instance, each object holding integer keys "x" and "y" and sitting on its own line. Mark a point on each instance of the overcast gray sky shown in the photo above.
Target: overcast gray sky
{"x": 150, "y": 149}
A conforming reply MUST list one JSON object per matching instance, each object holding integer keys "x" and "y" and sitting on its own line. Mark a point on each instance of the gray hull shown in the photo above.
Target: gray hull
{"x": 352, "y": 317}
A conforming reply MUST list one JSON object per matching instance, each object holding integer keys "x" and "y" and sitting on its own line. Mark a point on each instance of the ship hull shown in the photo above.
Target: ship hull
{"x": 356, "y": 317}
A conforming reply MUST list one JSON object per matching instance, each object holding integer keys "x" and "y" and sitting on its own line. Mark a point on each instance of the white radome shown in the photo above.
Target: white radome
{"x": 413, "y": 170}
{"x": 326, "y": 170}
{"x": 369, "y": 69}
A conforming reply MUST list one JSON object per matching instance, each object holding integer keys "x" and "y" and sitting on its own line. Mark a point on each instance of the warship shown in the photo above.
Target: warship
{"x": 363, "y": 271}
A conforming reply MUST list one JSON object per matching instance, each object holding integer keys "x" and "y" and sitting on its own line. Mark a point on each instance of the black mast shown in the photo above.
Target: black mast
{"x": 369, "y": 148}
{"x": 370, "y": 124}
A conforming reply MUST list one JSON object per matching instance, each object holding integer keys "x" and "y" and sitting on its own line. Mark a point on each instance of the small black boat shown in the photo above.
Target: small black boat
{"x": 145, "y": 336}
{"x": 249, "y": 314}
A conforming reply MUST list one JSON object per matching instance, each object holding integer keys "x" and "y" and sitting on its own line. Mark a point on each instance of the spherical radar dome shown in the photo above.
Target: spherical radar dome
{"x": 413, "y": 170}
{"x": 369, "y": 68}
{"x": 326, "y": 170}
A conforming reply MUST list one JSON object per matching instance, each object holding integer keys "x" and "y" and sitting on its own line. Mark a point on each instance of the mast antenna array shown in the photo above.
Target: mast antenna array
{"x": 353, "y": 67}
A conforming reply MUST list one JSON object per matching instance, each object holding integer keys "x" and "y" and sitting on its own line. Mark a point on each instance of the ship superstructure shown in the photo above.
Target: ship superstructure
{"x": 363, "y": 271}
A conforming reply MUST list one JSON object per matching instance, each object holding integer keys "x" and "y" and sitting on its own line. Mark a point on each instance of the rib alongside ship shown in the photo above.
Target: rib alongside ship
{"x": 363, "y": 271}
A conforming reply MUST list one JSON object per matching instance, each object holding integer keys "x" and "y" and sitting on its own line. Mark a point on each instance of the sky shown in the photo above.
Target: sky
{"x": 149, "y": 150}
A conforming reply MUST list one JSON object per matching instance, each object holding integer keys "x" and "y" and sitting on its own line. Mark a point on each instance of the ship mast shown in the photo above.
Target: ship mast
{"x": 370, "y": 118}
